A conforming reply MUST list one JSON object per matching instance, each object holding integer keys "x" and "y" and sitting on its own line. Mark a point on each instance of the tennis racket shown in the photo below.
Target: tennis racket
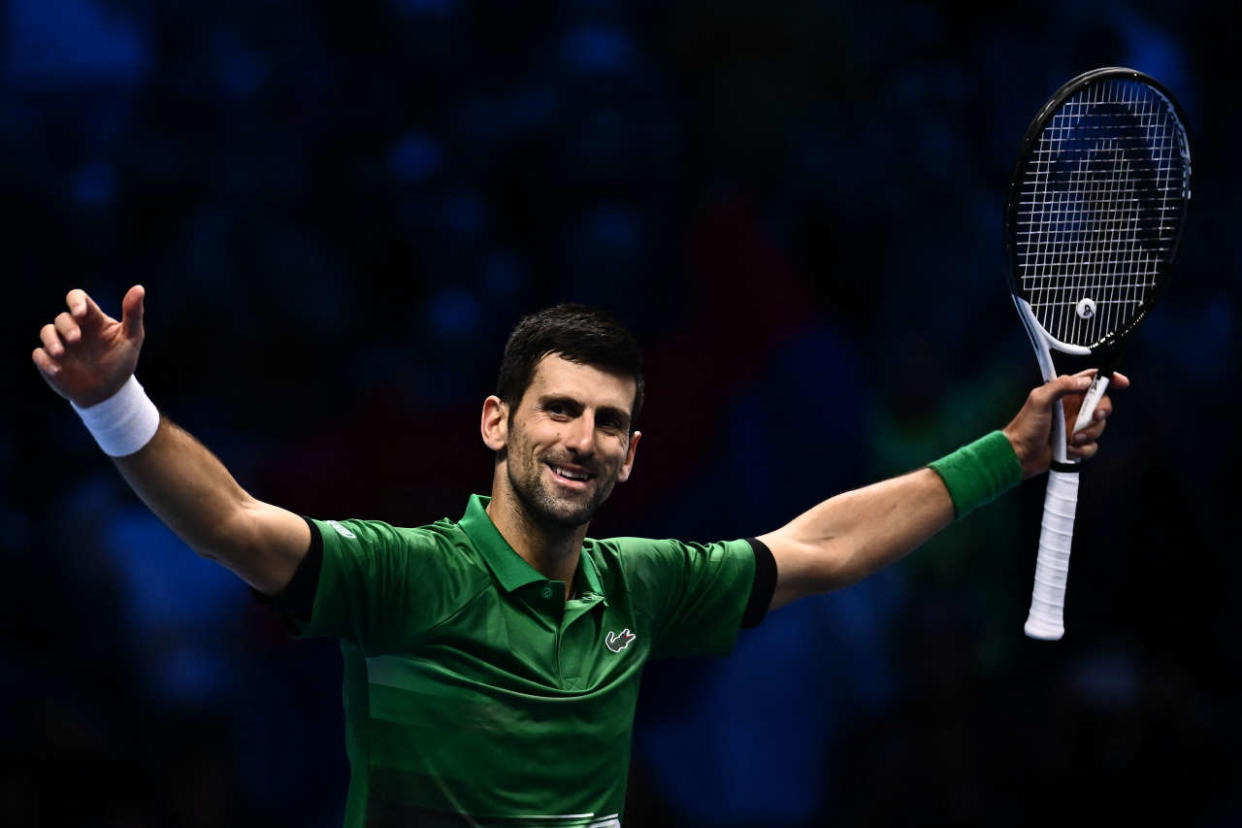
{"x": 1095, "y": 212}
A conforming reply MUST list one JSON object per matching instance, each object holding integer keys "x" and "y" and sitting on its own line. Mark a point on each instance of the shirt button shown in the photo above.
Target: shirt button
{"x": 546, "y": 592}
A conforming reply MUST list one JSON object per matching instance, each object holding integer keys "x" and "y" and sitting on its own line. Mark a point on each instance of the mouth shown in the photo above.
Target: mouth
{"x": 571, "y": 476}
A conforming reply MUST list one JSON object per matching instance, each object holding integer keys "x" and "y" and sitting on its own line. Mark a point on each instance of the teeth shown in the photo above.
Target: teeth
{"x": 571, "y": 475}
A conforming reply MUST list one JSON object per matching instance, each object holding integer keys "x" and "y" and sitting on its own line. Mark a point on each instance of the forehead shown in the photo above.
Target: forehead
{"x": 556, "y": 376}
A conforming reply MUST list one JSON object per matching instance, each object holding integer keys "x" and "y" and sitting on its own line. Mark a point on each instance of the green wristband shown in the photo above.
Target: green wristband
{"x": 978, "y": 473}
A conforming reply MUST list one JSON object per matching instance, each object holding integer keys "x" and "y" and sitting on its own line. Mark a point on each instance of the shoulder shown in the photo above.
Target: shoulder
{"x": 442, "y": 541}
{"x": 618, "y": 553}
{"x": 638, "y": 556}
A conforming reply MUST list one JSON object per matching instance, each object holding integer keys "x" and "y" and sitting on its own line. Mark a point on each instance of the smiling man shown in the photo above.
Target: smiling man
{"x": 492, "y": 663}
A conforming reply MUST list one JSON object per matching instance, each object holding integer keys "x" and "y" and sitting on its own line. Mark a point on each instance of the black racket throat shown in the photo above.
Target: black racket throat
{"x": 1106, "y": 360}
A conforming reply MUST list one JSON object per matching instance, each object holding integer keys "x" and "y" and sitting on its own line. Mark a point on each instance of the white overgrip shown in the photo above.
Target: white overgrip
{"x": 1052, "y": 564}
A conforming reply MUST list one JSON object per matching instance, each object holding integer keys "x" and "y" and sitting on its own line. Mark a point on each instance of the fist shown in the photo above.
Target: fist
{"x": 1030, "y": 432}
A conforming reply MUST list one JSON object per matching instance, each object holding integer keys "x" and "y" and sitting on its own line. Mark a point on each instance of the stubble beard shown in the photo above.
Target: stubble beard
{"x": 545, "y": 508}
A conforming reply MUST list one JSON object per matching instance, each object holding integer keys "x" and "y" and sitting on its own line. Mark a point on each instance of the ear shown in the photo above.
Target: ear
{"x": 628, "y": 466}
{"x": 495, "y": 423}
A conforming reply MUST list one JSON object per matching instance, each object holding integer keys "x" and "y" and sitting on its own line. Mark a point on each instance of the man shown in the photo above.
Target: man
{"x": 492, "y": 663}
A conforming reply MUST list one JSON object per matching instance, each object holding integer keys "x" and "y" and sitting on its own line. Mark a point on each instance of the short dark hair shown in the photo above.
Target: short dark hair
{"x": 580, "y": 334}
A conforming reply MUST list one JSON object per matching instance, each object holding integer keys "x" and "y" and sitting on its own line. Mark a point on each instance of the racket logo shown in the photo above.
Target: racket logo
{"x": 1085, "y": 308}
{"x": 1091, "y": 147}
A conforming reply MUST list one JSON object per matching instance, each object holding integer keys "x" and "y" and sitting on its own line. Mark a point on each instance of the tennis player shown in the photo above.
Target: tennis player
{"x": 492, "y": 663}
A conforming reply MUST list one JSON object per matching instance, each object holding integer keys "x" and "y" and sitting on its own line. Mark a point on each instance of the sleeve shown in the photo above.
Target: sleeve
{"x": 697, "y": 596}
{"x": 374, "y": 585}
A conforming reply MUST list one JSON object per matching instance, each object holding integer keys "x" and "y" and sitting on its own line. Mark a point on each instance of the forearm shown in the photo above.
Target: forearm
{"x": 186, "y": 487}
{"x": 848, "y": 537}
{"x": 191, "y": 491}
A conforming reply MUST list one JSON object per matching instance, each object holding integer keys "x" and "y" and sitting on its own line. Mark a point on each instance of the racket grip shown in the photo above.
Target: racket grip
{"x": 1052, "y": 565}
{"x": 1094, "y": 394}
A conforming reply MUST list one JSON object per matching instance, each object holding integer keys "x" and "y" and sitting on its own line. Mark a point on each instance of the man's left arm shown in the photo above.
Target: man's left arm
{"x": 847, "y": 537}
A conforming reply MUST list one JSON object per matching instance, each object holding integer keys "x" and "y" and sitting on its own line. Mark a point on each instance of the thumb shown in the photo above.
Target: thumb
{"x": 131, "y": 311}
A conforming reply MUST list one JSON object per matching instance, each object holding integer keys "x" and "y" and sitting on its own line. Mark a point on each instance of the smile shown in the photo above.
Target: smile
{"x": 570, "y": 475}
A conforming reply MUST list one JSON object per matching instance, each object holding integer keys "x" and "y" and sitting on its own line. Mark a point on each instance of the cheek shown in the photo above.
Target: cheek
{"x": 534, "y": 446}
{"x": 621, "y": 455}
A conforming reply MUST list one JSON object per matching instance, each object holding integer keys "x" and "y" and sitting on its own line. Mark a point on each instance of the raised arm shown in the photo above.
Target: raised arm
{"x": 846, "y": 538}
{"x": 88, "y": 357}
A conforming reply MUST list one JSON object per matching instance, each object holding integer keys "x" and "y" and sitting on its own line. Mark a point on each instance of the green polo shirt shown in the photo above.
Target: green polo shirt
{"x": 474, "y": 693}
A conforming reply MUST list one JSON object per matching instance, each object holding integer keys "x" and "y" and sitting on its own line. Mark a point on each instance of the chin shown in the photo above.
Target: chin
{"x": 563, "y": 512}
{"x": 566, "y": 515}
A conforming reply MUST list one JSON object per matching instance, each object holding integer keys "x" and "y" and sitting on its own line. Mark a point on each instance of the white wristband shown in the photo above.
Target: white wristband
{"x": 123, "y": 423}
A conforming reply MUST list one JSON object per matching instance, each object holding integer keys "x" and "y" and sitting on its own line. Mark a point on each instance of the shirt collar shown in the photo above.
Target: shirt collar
{"x": 586, "y": 571}
{"x": 510, "y": 568}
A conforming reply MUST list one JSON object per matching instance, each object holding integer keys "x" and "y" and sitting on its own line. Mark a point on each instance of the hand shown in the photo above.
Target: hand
{"x": 87, "y": 355}
{"x": 1030, "y": 432}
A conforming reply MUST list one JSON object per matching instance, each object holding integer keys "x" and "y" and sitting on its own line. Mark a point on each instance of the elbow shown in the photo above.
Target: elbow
{"x": 810, "y": 568}
{"x": 238, "y": 545}
{"x": 232, "y": 538}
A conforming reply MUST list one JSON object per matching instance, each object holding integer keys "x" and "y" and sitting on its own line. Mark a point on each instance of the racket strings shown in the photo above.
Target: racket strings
{"x": 1101, "y": 200}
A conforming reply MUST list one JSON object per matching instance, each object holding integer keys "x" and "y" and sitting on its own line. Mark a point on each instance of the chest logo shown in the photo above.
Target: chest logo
{"x": 619, "y": 641}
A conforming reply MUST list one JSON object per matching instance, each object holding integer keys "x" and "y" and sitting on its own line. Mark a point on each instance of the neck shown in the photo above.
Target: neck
{"x": 552, "y": 550}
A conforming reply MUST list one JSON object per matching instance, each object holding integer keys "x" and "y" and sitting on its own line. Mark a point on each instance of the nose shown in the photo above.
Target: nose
{"x": 580, "y": 438}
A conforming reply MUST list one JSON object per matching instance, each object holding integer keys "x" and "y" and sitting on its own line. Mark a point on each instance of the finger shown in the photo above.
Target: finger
{"x": 45, "y": 363}
{"x": 83, "y": 311}
{"x": 75, "y": 300}
{"x": 1090, "y": 434}
{"x": 81, "y": 305}
{"x": 51, "y": 341}
{"x": 132, "y": 311}
{"x": 1119, "y": 380}
{"x": 1054, "y": 390}
{"x": 1093, "y": 430}
{"x": 1083, "y": 452}
{"x": 67, "y": 328}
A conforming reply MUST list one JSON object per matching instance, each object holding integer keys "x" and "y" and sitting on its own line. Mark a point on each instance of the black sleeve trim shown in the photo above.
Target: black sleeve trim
{"x": 297, "y": 599}
{"x": 764, "y": 586}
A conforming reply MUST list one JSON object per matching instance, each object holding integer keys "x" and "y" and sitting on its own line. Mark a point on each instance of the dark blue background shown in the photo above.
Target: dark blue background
{"x": 340, "y": 209}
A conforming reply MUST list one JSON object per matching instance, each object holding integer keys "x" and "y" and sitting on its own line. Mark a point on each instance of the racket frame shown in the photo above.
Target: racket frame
{"x": 1030, "y": 139}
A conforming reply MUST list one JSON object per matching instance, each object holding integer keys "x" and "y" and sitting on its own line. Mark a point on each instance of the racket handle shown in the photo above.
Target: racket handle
{"x": 1052, "y": 565}
{"x": 1094, "y": 394}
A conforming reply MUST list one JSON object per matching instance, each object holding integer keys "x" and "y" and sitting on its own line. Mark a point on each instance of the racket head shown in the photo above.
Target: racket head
{"x": 1096, "y": 207}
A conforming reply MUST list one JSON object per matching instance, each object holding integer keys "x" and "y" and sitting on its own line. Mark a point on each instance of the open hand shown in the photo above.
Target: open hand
{"x": 87, "y": 355}
{"x": 1030, "y": 432}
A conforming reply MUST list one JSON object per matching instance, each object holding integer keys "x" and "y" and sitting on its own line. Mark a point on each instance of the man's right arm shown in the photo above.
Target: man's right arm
{"x": 189, "y": 489}
{"x": 86, "y": 356}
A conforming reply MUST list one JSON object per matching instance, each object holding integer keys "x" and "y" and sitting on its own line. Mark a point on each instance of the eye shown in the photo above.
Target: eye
{"x": 610, "y": 423}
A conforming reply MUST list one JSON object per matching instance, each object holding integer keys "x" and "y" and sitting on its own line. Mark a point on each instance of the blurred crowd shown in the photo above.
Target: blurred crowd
{"x": 340, "y": 209}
